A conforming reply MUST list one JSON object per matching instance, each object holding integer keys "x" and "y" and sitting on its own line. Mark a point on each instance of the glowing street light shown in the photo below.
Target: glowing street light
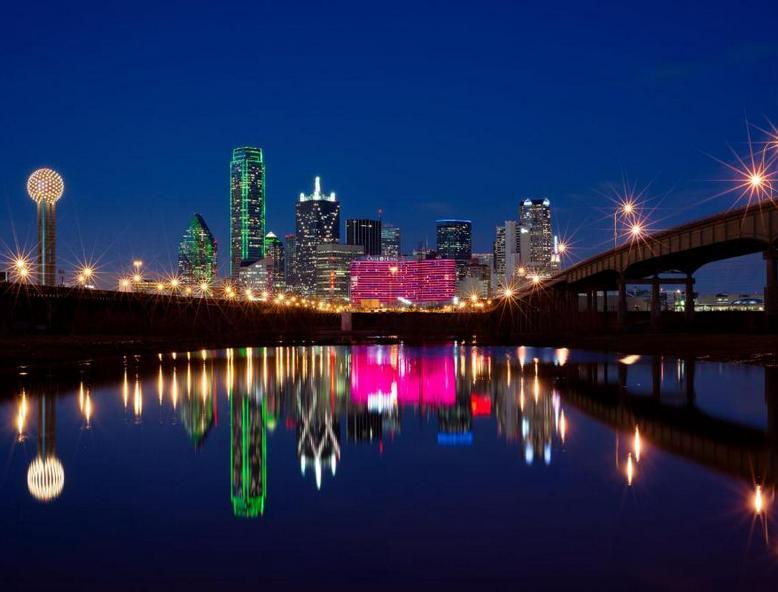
{"x": 508, "y": 292}
{"x": 636, "y": 230}
{"x": 626, "y": 209}
{"x": 21, "y": 269}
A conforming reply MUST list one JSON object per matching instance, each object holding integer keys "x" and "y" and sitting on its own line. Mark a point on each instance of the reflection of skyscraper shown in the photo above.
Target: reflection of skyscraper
{"x": 248, "y": 455}
{"x": 247, "y": 207}
{"x": 317, "y": 218}
{"x": 197, "y": 410}
{"x": 390, "y": 241}
{"x": 197, "y": 253}
{"x": 366, "y": 233}
{"x": 318, "y": 434}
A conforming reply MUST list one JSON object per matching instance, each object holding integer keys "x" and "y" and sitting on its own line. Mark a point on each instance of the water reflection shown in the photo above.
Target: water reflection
{"x": 528, "y": 395}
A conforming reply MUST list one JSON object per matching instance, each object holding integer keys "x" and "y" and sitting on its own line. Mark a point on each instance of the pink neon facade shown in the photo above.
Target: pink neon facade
{"x": 384, "y": 374}
{"x": 386, "y": 280}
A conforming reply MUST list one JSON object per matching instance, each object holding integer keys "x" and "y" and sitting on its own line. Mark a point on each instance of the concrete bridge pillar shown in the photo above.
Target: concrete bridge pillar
{"x": 771, "y": 402}
{"x": 689, "y": 298}
{"x": 689, "y": 366}
{"x": 622, "y": 307}
{"x": 656, "y": 378}
{"x": 655, "y": 302}
{"x": 771, "y": 288}
{"x": 589, "y": 301}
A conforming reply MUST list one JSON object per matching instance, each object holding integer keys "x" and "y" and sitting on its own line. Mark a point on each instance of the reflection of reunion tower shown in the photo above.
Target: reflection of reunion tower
{"x": 46, "y": 477}
{"x": 45, "y": 187}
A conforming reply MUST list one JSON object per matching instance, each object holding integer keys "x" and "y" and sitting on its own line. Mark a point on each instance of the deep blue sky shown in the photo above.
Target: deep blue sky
{"x": 424, "y": 109}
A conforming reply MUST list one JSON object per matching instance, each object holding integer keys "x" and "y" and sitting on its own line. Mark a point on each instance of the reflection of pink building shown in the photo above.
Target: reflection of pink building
{"x": 428, "y": 281}
{"x": 382, "y": 376}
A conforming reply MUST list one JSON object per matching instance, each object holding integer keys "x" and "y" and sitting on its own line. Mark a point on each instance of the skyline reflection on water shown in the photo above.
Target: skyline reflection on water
{"x": 604, "y": 466}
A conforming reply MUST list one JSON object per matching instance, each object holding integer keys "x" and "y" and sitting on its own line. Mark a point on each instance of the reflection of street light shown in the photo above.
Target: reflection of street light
{"x": 758, "y": 500}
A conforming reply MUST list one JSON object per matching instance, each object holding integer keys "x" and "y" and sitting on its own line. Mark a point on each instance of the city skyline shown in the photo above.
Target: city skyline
{"x": 649, "y": 109}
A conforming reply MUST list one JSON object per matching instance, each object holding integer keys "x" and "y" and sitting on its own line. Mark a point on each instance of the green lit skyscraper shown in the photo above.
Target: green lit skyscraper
{"x": 197, "y": 253}
{"x": 247, "y": 207}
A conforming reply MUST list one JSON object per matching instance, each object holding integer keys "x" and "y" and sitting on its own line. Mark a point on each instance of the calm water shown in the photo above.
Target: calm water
{"x": 377, "y": 467}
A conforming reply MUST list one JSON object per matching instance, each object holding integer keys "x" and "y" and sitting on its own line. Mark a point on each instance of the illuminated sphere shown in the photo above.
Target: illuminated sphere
{"x": 45, "y": 478}
{"x": 45, "y": 185}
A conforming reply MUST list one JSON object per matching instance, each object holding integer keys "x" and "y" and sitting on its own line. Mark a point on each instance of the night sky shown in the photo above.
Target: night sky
{"x": 423, "y": 109}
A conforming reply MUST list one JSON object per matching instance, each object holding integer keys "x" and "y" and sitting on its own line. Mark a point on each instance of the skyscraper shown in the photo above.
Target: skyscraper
{"x": 366, "y": 233}
{"x": 455, "y": 241}
{"x": 317, "y": 218}
{"x": 274, "y": 250}
{"x": 45, "y": 187}
{"x": 197, "y": 253}
{"x": 535, "y": 217}
{"x": 291, "y": 260}
{"x": 332, "y": 268}
{"x": 390, "y": 241}
{"x": 247, "y": 207}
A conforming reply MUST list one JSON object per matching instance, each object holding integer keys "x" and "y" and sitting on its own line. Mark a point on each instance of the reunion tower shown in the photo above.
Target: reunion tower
{"x": 45, "y": 187}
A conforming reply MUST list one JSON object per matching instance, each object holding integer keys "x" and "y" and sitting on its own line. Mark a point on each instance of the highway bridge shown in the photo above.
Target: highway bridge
{"x": 668, "y": 257}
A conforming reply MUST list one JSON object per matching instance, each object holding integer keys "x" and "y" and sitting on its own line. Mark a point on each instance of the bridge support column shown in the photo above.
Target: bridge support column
{"x": 689, "y": 365}
{"x": 589, "y": 301}
{"x": 656, "y": 378}
{"x": 771, "y": 289}
{"x": 655, "y": 303}
{"x": 689, "y": 298}
{"x": 622, "y": 307}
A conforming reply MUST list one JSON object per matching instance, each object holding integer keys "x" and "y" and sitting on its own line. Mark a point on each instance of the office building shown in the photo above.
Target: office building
{"x": 275, "y": 252}
{"x": 390, "y": 241}
{"x": 256, "y": 275}
{"x": 535, "y": 216}
{"x": 384, "y": 282}
{"x": 197, "y": 254}
{"x": 333, "y": 263}
{"x": 247, "y": 207}
{"x": 317, "y": 220}
{"x": 455, "y": 241}
{"x": 364, "y": 232}
{"x": 291, "y": 260}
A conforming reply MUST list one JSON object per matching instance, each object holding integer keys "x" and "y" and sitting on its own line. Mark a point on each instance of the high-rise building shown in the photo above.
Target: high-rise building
{"x": 256, "y": 275}
{"x": 197, "y": 254}
{"x": 386, "y": 282}
{"x": 291, "y": 260}
{"x": 247, "y": 207}
{"x": 455, "y": 241}
{"x": 45, "y": 187}
{"x": 498, "y": 249}
{"x": 364, "y": 232}
{"x": 333, "y": 262}
{"x": 535, "y": 215}
{"x": 390, "y": 241}
{"x": 274, "y": 251}
{"x": 317, "y": 218}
